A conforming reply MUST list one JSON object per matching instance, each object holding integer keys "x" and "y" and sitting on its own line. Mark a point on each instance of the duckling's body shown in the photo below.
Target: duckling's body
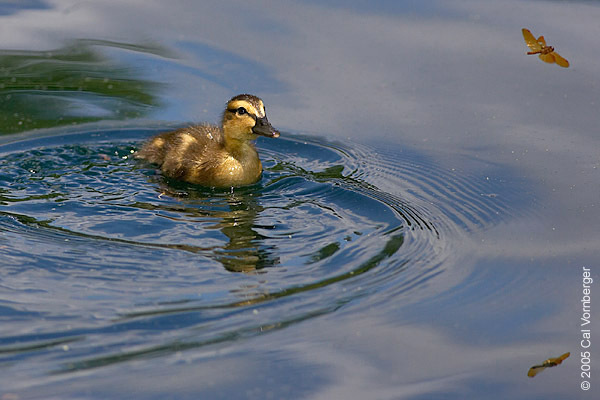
{"x": 214, "y": 156}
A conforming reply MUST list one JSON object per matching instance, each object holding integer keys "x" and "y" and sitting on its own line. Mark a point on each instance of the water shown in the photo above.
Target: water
{"x": 419, "y": 230}
{"x": 305, "y": 241}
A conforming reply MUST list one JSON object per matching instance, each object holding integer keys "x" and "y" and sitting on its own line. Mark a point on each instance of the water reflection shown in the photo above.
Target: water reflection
{"x": 11, "y": 7}
{"x": 235, "y": 216}
{"x": 70, "y": 85}
{"x": 551, "y": 362}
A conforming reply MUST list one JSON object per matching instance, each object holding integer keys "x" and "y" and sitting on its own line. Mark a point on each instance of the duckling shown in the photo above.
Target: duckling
{"x": 214, "y": 156}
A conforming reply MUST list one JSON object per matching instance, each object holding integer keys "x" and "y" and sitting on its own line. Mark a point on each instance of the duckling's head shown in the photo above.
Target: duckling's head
{"x": 245, "y": 117}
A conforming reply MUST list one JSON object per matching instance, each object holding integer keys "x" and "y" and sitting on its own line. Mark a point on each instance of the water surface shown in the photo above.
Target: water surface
{"x": 419, "y": 231}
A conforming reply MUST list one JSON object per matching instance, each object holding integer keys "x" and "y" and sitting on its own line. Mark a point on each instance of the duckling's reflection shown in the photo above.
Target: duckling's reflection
{"x": 236, "y": 214}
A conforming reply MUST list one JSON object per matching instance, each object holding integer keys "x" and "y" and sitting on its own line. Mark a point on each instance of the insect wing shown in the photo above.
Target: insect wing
{"x": 560, "y": 359}
{"x": 530, "y": 40}
{"x": 541, "y": 41}
{"x": 549, "y": 58}
{"x": 536, "y": 369}
{"x": 565, "y": 64}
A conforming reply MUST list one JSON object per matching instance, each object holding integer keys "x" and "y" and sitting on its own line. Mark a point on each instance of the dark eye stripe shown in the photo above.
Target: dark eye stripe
{"x": 241, "y": 111}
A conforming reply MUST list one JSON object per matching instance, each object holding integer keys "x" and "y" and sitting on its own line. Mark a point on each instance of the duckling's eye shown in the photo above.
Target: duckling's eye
{"x": 241, "y": 111}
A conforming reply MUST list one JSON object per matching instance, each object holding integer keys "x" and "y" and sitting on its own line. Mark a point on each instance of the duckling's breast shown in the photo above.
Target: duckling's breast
{"x": 239, "y": 171}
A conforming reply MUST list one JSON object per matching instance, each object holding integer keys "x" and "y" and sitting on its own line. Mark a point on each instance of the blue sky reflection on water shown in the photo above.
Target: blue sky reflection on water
{"x": 446, "y": 79}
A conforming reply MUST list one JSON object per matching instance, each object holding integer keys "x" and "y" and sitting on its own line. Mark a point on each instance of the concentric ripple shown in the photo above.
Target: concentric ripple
{"x": 107, "y": 261}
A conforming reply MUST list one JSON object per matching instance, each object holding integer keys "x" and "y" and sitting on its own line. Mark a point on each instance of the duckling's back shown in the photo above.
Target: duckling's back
{"x": 188, "y": 154}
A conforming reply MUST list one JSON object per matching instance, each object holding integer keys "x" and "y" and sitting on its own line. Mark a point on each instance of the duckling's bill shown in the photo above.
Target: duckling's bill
{"x": 264, "y": 128}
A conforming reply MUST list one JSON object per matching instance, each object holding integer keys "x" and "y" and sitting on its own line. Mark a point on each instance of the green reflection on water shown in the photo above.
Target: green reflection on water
{"x": 74, "y": 84}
